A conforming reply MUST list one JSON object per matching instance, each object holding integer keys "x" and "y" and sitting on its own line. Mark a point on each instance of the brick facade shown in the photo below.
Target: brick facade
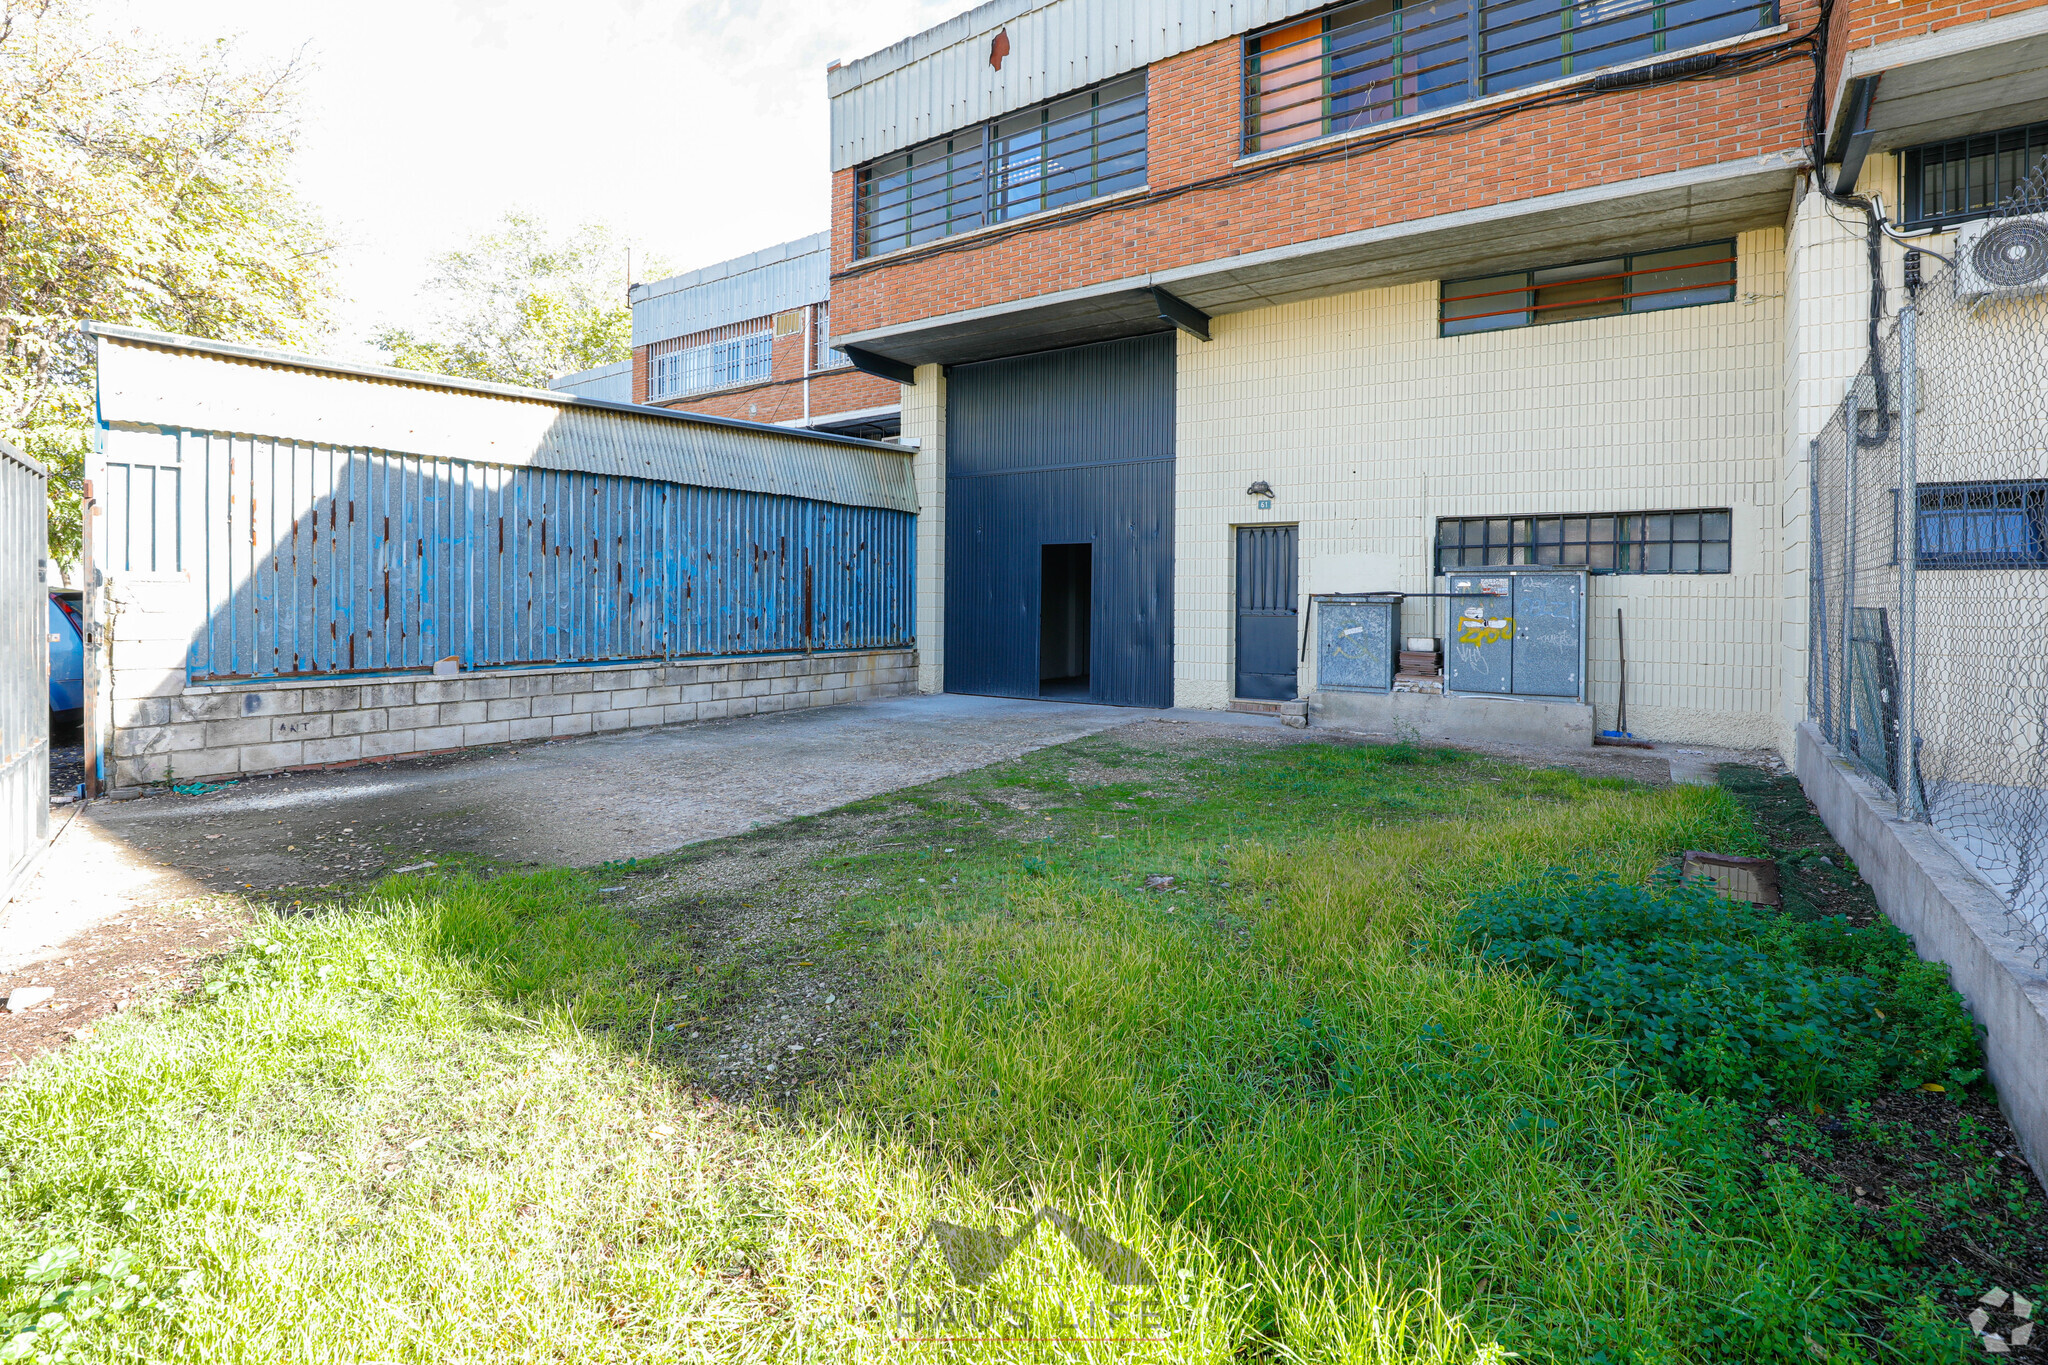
{"x": 1867, "y": 23}
{"x": 780, "y": 398}
{"x": 1196, "y": 128}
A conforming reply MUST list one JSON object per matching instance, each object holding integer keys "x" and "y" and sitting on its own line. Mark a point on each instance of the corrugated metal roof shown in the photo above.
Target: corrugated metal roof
{"x": 940, "y": 79}
{"x": 613, "y": 383}
{"x": 156, "y": 379}
{"x": 787, "y": 275}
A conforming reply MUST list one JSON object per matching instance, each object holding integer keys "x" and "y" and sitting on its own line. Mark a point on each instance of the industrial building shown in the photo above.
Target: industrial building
{"x": 1212, "y": 316}
{"x": 749, "y": 338}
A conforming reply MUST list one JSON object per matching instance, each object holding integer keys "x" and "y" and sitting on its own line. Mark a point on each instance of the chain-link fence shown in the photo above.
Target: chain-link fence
{"x": 1929, "y": 611}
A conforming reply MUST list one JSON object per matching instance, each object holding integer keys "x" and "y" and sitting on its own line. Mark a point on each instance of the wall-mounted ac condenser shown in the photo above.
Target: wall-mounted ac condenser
{"x": 1516, "y": 633}
{"x": 2002, "y": 258}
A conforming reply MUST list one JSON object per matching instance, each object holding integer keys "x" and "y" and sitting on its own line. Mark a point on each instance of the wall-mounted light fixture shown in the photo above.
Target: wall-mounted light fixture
{"x": 1263, "y": 491}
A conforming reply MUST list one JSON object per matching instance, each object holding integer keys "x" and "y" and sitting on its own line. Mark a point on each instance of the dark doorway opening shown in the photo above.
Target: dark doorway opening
{"x": 1065, "y": 600}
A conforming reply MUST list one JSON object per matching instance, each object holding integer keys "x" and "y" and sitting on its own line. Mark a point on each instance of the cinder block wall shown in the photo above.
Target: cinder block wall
{"x": 178, "y": 733}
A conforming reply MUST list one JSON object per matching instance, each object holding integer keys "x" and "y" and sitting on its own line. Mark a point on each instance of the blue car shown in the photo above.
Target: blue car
{"x": 67, "y": 657}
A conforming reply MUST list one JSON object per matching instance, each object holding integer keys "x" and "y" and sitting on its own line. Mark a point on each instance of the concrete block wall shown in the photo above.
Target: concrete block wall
{"x": 179, "y": 733}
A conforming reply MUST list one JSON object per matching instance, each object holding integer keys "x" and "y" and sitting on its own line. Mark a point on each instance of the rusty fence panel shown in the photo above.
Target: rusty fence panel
{"x": 24, "y": 666}
{"x": 320, "y": 560}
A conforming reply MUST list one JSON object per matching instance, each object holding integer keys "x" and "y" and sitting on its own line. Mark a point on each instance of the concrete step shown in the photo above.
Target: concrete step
{"x": 1270, "y": 708}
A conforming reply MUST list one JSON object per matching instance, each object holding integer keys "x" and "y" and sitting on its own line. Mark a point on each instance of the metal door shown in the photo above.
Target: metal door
{"x": 1479, "y": 656}
{"x": 24, "y": 665}
{"x": 1065, "y": 447}
{"x": 1549, "y": 634}
{"x": 1267, "y": 613}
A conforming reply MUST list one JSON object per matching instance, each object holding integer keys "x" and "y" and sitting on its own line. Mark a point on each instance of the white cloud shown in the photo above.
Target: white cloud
{"x": 698, "y": 129}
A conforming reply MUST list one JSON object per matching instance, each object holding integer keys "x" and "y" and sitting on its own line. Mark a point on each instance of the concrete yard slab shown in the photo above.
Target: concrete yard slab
{"x": 570, "y": 802}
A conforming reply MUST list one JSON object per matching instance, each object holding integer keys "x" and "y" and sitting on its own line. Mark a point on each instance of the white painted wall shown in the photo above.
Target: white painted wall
{"x": 1370, "y": 427}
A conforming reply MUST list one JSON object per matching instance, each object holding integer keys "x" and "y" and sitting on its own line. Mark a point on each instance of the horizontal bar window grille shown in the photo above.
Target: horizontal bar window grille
{"x": 1361, "y": 64}
{"x": 1619, "y": 542}
{"x": 1980, "y": 526}
{"x": 825, "y": 355}
{"x": 737, "y": 353}
{"x": 1063, "y": 152}
{"x": 1646, "y": 282}
{"x": 1952, "y": 182}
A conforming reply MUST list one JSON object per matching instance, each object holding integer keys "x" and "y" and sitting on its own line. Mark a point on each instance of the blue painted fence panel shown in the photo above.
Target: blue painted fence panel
{"x": 323, "y": 560}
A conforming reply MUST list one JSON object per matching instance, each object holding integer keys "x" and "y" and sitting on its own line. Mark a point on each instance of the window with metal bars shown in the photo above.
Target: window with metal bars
{"x": 1980, "y": 526}
{"x": 1952, "y": 182}
{"x": 738, "y": 353}
{"x": 825, "y": 356}
{"x": 1359, "y": 64}
{"x": 1062, "y": 152}
{"x": 1617, "y": 542}
{"x": 1646, "y": 282}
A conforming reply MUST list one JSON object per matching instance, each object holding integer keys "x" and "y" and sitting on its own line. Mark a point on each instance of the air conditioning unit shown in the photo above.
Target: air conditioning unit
{"x": 2002, "y": 258}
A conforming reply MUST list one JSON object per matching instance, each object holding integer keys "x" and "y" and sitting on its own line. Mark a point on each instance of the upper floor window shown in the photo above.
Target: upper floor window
{"x": 826, "y": 356}
{"x": 1360, "y": 64}
{"x": 1646, "y": 282}
{"x": 1067, "y": 150}
{"x": 739, "y": 353}
{"x": 1951, "y": 182}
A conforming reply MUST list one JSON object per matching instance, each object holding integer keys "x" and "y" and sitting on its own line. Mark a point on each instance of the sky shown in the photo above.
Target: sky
{"x": 697, "y": 128}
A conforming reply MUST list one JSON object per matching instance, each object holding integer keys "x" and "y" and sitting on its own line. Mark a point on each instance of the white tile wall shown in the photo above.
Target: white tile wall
{"x": 1370, "y": 426}
{"x": 924, "y": 421}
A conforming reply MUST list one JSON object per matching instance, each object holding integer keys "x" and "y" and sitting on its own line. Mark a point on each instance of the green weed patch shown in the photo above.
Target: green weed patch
{"x": 1215, "y": 1005}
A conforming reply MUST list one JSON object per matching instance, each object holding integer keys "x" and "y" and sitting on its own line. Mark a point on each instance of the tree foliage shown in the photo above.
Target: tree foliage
{"x": 142, "y": 185}
{"x": 522, "y": 304}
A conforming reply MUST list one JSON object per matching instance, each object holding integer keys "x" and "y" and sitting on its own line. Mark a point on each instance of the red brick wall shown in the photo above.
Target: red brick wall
{"x": 781, "y": 397}
{"x": 1880, "y": 21}
{"x": 1865, "y": 23}
{"x": 1195, "y": 132}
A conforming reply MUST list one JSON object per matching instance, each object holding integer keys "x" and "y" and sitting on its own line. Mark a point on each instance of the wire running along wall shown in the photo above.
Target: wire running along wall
{"x": 313, "y": 560}
{"x": 1929, "y": 578}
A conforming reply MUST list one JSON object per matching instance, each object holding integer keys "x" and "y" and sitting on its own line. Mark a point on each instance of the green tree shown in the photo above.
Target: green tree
{"x": 523, "y": 303}
{"x": 144, "y": 185}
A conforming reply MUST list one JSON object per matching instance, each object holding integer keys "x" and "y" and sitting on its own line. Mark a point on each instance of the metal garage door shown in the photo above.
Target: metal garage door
{"x": 1063, "y": 449}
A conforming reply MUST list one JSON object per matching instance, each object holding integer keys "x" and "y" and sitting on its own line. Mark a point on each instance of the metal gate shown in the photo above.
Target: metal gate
{"x": 1267, "y": 613}
{"x": 24, "y": 665}
{"x": 1064, "y": 448}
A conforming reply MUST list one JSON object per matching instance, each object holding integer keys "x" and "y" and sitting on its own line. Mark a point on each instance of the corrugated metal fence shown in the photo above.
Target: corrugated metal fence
{"x": 24, "y": 665}
{"x": 317, "y": 559}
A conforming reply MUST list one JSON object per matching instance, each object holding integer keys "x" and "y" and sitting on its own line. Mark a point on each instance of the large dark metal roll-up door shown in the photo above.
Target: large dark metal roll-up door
{"x": 1063, "y": 449}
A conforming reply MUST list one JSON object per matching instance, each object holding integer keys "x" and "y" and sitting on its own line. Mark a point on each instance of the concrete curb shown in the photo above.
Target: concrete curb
{"x": 1954, "y": 918}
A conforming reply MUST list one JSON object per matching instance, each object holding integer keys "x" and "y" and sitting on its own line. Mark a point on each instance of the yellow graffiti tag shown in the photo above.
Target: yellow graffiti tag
{"x": 1489, "y": 631}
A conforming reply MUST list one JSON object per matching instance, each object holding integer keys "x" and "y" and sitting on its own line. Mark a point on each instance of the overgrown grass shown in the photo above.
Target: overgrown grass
{"x": 438, "y": 1124}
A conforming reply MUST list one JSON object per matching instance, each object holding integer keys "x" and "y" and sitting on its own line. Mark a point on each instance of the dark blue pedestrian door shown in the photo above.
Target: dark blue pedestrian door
{"x": 1267, "y": 613}
{"x": 1059, "y": 524}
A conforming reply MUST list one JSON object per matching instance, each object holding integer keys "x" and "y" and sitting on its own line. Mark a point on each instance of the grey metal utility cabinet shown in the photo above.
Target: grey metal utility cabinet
{"x": 1521, "y": 634}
